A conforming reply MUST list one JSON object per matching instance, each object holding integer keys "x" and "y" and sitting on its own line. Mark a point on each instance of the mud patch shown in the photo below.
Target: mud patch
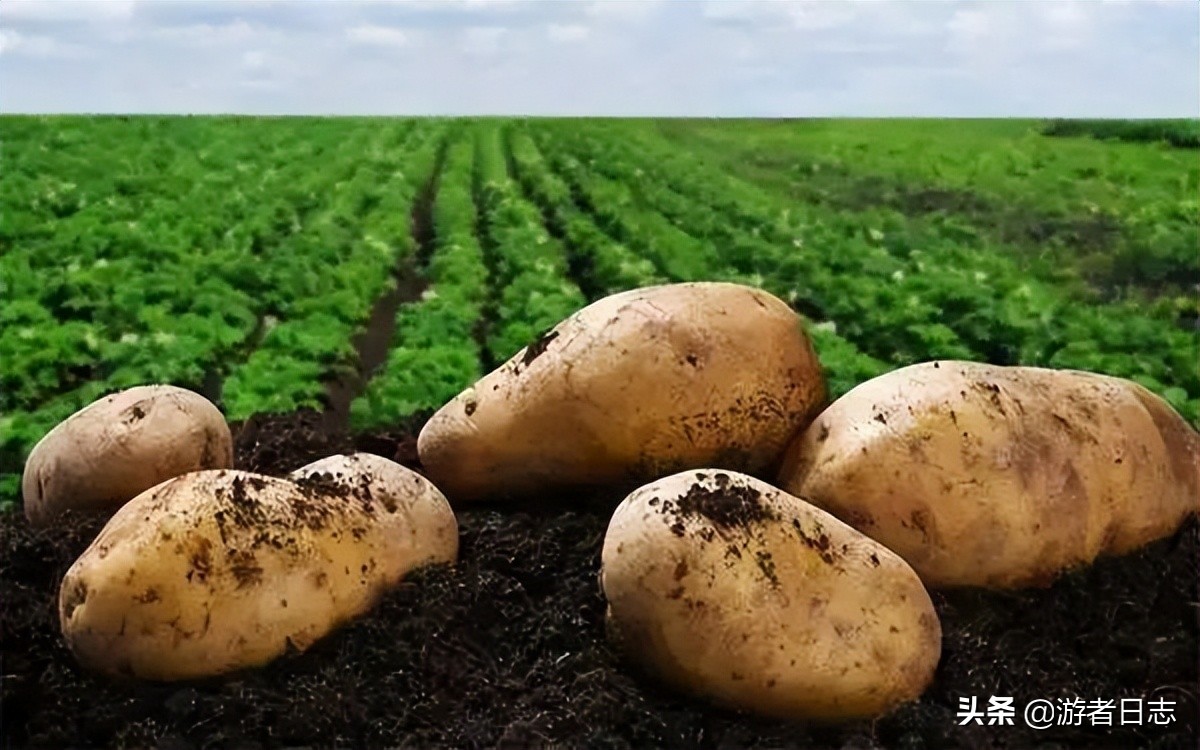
{"x": 538, "y": 347}
{"x": 276, "y": 444}
{"x": 200, "y": 561}
{"x": 815, "y": 539}
{"x": 730, "y": 505}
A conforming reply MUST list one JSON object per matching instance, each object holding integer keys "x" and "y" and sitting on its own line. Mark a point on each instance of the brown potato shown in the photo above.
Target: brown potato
{"x": 217, "y": 571}
{"x": 999, "y": 476}
{"x": 115, "y": 448}
{"x": 736, "y": 592}
{"x": 632, "y": 387}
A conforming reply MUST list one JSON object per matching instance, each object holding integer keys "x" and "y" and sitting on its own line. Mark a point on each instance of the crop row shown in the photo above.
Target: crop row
{"x": 631, "y": 199}
{"x": 176, "y": 275}
{"x": 353, "y": 247}
{"x": 155, "y": 290}
{"x": 677, "y": 256}
{"x": 893, "y": 300}
{"x": 1178, "y": 133}
{"x": 529, "y": 267}
{"x": 167, "y": 297}
{"x": 608, "y": 265}
{"x": 493, "y": 264}
{"x": 434, "y": 353}
{"x": 82, "y": 321}
{"x": 1125, "y": 217}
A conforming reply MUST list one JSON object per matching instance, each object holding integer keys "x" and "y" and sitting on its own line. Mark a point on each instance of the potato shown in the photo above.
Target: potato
{"x": 635, "y": 386}
{"x": 733, "y": 591}
{"x": 980, "y": 475}
{"x": 217, "y": 571}
{"x": 111, "y": 450}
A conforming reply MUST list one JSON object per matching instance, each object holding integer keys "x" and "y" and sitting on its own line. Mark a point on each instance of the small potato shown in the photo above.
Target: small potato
{"x": 633, "y": 387}
{"x": 115, "y": 448}
{"x": 980, "y": 475}
{"x": 731, "y": 590}
{"x": 217, "y": 571}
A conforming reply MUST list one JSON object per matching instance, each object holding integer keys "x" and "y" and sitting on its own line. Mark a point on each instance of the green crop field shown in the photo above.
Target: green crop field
{"x": 375, "y": 267}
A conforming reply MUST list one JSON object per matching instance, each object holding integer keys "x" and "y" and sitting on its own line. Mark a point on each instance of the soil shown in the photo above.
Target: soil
{"x": 374, "y": 342}
{"x": 508, "y": 649}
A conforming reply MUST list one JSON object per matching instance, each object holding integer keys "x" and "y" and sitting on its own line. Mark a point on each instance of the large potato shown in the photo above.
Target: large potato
{"x": 115, "y": 448}
{"x": 221, "y": 570}
{"x": 731, "y": 590}
{"x": 632, "y": 387}
{"x": 999, "y": 476}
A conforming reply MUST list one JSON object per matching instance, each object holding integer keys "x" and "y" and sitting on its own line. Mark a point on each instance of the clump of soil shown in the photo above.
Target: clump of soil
{"x": 538, "y": 347}
{"x": 730, "y": 505}
{"x": 277, "y": 444}
{"x": 508, "y": 650}
{"x": 398, "y": 443}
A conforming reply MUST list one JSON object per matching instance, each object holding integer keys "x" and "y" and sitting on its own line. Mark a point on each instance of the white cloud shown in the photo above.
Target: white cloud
{"x": 254, "y": 59}
{"x": 482, "y": 40}
{"x": 745, "y": 11}
{"x": 232, "y": 32}
{"x": 488, "y": 4}
{"x": 739, "y": 58}
{"x": 1066, "y": 13}
{"x": 567, "y": 32}
{"x": 462, "y": 7}
{"x": 623, "y": 11}
{"x": 810, "y": 15}
{"x": 384, "y": 36}
{"x": 1004, "y": 33}
{"x": 9, "y": 40}
{"x": 38, "y": 46}
{"x": 260, "y": 84}
{"x": 1067, "y": 24}
{"x": 969, "y": 26}
{"x": 65, "y": 10}
{"x": 818, "y": 15}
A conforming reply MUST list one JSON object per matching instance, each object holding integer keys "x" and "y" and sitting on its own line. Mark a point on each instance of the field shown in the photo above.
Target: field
{"x": 330, "y": 282}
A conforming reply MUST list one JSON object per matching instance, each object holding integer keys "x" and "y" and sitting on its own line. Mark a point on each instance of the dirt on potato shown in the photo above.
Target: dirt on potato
{"x": 727, "y": 505}
{"x": 508, "y": 650}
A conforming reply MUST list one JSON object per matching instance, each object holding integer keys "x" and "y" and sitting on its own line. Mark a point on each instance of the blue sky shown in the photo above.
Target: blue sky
{"x": 1104, "y": 58}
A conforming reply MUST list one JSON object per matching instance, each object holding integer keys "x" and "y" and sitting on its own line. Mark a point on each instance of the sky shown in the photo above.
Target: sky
{"x": 725, "y": 58}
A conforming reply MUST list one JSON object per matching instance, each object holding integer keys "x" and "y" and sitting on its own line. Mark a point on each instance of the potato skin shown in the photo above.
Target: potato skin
{"x": 115, "y": 448}
{"x": 736, "y": 592}
{"x": 217, "y": 571}
{"x": 632, "y": 387}
{"x": 980, "y": 475}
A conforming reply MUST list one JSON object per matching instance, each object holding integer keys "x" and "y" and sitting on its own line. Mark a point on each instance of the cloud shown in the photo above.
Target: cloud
{"x": 604, "y": 57}
{"x": 821, "y": 15}
{"x": 623, "y": 11}
{"x": 567, "y": 32}
{"x": 969, "y": 27}
{"x": 385, "y": 36}
{"x": 254, "y": 59}
{"x": 1002, "y": 34}
{"x": 36, "y": 46}
{"x": 815, "y": 14}
{"x": 64, "y": 10}
{"x": 232, "y": 32}
{"x": 482, "y": 40}
{"x": 260, "y": 84}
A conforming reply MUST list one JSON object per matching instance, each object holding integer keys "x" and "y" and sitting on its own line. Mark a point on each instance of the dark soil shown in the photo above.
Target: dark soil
{"x": 728, "y": 505}
{"x": 373, "y": 342}
{"x": 508, "y": 650}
